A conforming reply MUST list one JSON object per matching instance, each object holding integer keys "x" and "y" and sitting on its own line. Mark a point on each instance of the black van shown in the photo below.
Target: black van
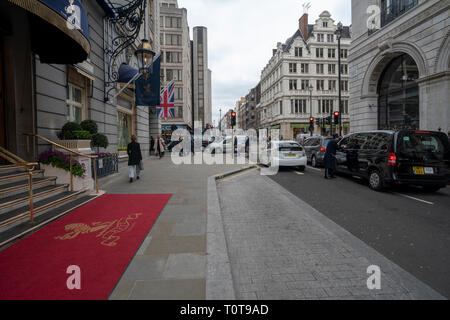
{"x": 408, "y": 157}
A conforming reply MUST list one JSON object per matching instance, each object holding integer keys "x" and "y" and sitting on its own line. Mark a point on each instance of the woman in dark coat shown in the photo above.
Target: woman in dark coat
{"x": 134, "y": 158}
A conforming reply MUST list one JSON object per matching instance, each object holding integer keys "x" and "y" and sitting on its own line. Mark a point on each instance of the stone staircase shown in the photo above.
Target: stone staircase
{"x": 50, "y": 201}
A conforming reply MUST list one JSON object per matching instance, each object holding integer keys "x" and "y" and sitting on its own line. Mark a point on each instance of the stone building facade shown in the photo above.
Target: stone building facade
{"x": 400, "y": 65}
{"x": 301, "y": 79}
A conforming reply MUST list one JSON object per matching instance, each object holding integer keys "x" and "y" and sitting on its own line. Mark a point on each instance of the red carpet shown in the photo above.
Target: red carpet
{"x": 100, "y": 237}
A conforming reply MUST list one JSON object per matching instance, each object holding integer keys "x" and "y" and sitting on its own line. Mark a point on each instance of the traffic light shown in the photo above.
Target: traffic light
{"x": 311, "y": 122}
{"x": 328, "y": 120}
{"x": 336, "y": 117}
{"x": 233, "y": 119}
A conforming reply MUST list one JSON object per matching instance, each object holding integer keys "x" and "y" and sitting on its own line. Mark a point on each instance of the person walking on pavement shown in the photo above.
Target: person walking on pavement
{"x": 134, "y": 158}
{"x": 159, "y": 147}
{"x": 330, "y": 157}
{"x": 152, "y": 143}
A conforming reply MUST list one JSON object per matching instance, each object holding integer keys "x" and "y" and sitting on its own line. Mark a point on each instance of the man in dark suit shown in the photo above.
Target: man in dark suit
{"x": 134, "y": 158}
{"x": 330, "y": 157}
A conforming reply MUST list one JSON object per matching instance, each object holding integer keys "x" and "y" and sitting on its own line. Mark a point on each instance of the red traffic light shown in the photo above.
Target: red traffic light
{"x": 311, "y": 119}
{"x": 233, "y": 114}
{"x": 336, "y": 113}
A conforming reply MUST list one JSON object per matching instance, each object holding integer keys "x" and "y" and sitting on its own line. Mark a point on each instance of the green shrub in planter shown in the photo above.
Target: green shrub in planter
{"x": 89, "y": 125}
{"x": 100, "y": 141}
{"x": 67, "y": 131}
{"x": 82, "y": 135}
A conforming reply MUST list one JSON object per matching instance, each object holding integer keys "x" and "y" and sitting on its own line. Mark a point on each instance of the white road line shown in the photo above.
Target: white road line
{"x": 299, "y": 173}
{"x": 309, "y": 167}
{"x": 412, "y": 198}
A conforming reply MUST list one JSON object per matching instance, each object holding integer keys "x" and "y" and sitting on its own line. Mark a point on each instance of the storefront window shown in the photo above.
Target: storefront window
{"x": 124, "y": 130}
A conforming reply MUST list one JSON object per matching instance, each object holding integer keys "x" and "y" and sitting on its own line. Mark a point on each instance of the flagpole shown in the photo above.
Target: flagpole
{"x": 136, "y": 76}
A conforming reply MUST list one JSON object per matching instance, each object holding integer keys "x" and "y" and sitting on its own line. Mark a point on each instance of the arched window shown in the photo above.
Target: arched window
{"x": 398, "y": 104}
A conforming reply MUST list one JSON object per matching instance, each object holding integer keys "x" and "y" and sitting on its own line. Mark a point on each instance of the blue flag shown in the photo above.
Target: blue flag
{"x": 148, "y": 87}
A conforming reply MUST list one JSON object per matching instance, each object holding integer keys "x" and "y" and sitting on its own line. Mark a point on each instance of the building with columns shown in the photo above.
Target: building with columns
{"x": 301, "y": 79}
{"x": 400, "y": 65}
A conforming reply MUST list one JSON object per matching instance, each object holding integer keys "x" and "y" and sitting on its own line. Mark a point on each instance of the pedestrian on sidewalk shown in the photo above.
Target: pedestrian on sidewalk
{"x": 134, "y": 158}
{"x": 159, "y": 147}
{"x": 152, "y": 144}
{"x": 330, "y": 157}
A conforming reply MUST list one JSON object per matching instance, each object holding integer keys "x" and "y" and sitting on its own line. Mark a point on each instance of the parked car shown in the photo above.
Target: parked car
{"x": 301, "y": 138}
{"x": 291, "y": 154}
{"x": 315, "y": 148}
{"x": 401, "y": 157}
{"x": 221, "y": 146}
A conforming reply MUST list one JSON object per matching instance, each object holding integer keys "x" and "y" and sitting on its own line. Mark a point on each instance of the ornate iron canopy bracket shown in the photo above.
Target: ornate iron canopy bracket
{"x": 121, "y": 29}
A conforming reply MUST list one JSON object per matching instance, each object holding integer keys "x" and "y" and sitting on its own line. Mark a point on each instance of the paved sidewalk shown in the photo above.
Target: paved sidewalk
{"x": 171, "y": 263}
{"x": 279, "y": 247}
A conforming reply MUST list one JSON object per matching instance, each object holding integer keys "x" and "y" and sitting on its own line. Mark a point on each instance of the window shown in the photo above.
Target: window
{"x": 304, "y": 68}
{"x": 298, "y": 106}
{"x": 344, "y": 85}
{"x": 344, "y": 53}
{"x": 319, "y": 52}
{"x": 124, "y": 128}
{"x": 173, "y": 22}
{"x": 173, "y": 57}
{"x": 326, "y": 106}
{"x": 292, "y": 68}
{"x": 178, "y": 93}
{"x": 75, "y": 104}
{"x": 345, "y": 106}
{"x": 325, "y": 24}
{"x": 174, "y": 74}
{"x": 305, "y": 84}
{"x": 332, "y": 85}
{"x": 320, "y": 85}
{"x": 319, "y": 68}
{"x": 173, "y": 40}
{"x": 320, "y": 37}
{"x": 292, "y": 84}
{"x": 330, "y": 37}
{"x": 331, "y": 53}
{"x": 391, "y": 9}
{"x": 281, "y": 107}
{"x": 344, "y": 68}
{"x": 331, "y": 69}
{"x": 298, "y": 52}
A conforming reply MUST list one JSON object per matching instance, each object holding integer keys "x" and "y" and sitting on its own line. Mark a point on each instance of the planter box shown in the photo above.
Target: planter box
{"x": 63, "y": 177}
{"x": 81, "y": 146}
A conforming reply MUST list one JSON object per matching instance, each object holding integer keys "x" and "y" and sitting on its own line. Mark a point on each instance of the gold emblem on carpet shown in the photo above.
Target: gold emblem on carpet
{"x": 109, "y": 232}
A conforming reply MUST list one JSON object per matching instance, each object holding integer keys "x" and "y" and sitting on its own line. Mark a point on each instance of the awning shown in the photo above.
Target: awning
{"x": 59, "y": 30}
{"x": 126, "y": 73}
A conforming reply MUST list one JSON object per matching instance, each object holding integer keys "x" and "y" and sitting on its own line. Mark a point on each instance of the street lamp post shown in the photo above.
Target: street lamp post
{"x": 339, "y": 36}
{"x": 220, "y": 120}
{"x": 310, "y": 88}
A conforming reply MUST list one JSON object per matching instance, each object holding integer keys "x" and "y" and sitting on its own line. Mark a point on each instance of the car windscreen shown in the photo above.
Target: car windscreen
{"x": 422, "y": 145}
{"x": 288, "y": 146}
{"x": 326, "y": 141}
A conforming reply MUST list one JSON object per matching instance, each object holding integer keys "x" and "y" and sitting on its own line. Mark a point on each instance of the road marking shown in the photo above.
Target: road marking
{"x": 309, "y": 167}
{"x": 413, "y": 198}
{"x": 299, "y": 173}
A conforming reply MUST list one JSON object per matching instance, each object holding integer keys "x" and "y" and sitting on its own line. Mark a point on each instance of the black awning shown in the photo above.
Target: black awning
{"x": 59, "y": 30}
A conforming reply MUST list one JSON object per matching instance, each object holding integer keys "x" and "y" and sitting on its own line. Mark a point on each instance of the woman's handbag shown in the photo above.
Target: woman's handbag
{"x": 141, "y": 166}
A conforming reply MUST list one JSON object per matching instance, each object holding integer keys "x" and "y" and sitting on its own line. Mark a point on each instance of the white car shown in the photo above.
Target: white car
{"x": 226, "y": 145}
{"x": 290, "y": 154}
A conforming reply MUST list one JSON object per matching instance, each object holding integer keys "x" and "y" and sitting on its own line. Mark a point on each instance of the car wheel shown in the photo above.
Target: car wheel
{"x": 314, "y": 162}
{"x": 375, "y": 180}
{"x": 431, "y": 188}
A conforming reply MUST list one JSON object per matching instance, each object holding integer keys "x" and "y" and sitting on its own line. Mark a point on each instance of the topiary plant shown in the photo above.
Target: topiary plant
{"x": 89, "y": 125}
{"x": 67, "y": 131}
{"x": 100, "y": 140}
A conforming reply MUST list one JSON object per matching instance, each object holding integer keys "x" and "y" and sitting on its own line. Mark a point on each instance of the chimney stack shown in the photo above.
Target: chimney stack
{"x": 303, "y": 25}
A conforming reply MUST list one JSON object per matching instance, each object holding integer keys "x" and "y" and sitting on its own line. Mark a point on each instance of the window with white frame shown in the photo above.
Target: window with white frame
{"x": 75, "y": 103}
{"x": 292, "y": 84}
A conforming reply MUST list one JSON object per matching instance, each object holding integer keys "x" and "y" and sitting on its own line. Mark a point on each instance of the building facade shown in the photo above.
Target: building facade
{"x": 400, "y": 65}
{"x": 201, "y": 77}
{"x": 44, "y": 85}
{"x": 176, "y": 64}
{"x": 301, "y": 79}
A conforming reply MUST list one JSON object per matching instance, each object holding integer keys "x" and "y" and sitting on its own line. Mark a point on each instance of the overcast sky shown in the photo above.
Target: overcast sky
{"x": 242, "y": 34}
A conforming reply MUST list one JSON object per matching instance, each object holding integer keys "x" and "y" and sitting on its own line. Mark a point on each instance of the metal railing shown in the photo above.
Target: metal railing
{"x": 29, "y": 167}
{"x": 71, "y": 154}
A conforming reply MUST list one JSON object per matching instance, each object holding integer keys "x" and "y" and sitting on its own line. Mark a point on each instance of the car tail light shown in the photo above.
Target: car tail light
{"x": 322, "y": 149}
{"x": 422, "y": 131}
{"x": 392, "y": 159}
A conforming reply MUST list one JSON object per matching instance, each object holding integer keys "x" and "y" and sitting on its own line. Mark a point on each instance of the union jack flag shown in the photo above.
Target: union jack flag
{"x": 166, "y": 109}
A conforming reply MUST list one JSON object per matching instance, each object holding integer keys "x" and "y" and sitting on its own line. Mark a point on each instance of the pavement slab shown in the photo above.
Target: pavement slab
{"x": 279, "y": 247}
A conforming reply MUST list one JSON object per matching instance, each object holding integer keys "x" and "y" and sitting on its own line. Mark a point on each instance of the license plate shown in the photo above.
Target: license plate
{"x": 429, "y": 170}
{"x": 419, "y": 170}
{"x": 291, "y": 155}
